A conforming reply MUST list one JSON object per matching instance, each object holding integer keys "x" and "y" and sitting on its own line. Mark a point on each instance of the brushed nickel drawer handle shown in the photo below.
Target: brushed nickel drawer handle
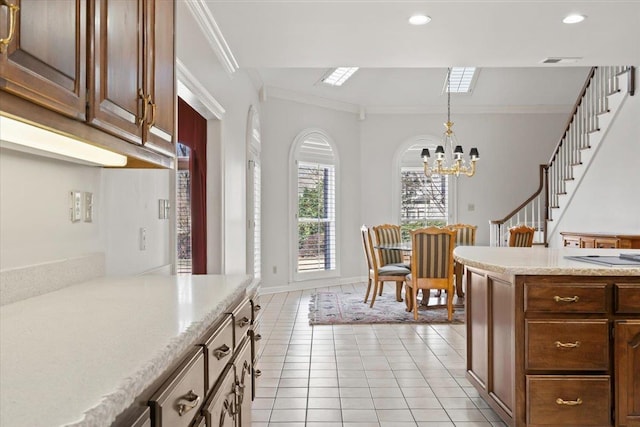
{"x": 222, "y": 351}
{"x": 188, "y": 402}
{"x": 566, "y": 299}
{"x": 257, "y": 337}
{"x": 576, "y": 402}
{"x": 243, "y": 322}
{"x": 567, "y": 344}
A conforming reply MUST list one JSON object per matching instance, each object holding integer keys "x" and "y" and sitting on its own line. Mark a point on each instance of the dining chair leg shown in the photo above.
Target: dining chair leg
{"x": 450, "y": 305}
{"x": 381, "y": 287}
{"x": 414, "y": 298}
{"x": 375, "y": 292}
{"x": 458, "y": 273}
{"x": 399, "y": 291}
{"x": 407, "y": 297}
{"x": 366, "y": 296}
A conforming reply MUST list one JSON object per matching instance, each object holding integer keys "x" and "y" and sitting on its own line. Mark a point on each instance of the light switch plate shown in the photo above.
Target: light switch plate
{"x": 76, "y": 206}
{"x": 88, "y": 206}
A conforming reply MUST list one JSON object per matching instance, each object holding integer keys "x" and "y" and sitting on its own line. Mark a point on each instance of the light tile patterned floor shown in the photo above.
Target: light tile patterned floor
{"x": 361, "y": 375}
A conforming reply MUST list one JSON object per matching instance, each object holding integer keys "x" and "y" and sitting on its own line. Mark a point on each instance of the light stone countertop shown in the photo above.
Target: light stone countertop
{"x": 541, "y": 261}
{"x": 80, "y": 355}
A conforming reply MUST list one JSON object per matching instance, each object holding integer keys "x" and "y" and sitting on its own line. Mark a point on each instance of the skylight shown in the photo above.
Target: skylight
{"x": 461, "y": 79}
{"x": 340, "y": 75}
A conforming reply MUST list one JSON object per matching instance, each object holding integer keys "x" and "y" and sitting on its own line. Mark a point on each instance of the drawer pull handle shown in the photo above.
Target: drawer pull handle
{"x": 257, "y": 337}
{"x": 258, "y": 372}
{"x": 188, "y": 402}
{"x": 567, "y": 344}
{"x": 13, "y": 11}
{"x": 257, "y": 307}
{"x": 222, "y": 351}
{"x": 576, "y": 402}
{"x": 566, "y": 299}
{"x": 243, "y": 322}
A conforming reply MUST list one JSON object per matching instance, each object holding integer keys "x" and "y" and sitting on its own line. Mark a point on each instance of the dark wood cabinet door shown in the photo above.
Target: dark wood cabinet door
{"x": 117, "y": 101}
{"x": 160, "y": 76}
{"x": 627, "y": 369}
{"x": 45, "y": 60}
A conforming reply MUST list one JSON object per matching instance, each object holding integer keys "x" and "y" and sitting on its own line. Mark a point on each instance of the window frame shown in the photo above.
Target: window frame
{"x": 426, "y": 141}
{"x": 294, "y": 158}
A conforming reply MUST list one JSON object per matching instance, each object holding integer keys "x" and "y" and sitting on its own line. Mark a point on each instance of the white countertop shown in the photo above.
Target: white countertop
{"x": 79, "y": 356}
{"x": 541, "y": 260}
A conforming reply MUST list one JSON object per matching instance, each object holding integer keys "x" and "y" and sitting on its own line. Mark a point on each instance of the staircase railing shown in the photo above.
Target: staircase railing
{"x": 537, "y": 210}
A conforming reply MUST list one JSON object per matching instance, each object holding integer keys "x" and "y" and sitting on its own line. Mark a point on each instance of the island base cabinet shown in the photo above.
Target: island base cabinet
{"x": 568, "y": 400}
{"x": 627, "y": 348}
{"x": 220, "y": 409}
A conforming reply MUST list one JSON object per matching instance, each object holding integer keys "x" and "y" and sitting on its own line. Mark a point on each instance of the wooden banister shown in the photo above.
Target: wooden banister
{"x": 541, "y": 187}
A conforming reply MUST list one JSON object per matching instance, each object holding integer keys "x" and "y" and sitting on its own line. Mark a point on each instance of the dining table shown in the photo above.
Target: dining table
{"x": 406, "y": 247}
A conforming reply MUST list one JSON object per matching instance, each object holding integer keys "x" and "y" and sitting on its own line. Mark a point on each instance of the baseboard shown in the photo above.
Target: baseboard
{"x": 311, "y": 284}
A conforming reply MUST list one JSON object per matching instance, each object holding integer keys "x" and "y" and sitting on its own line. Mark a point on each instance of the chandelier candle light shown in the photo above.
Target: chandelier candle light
{"x": 458, "y": 165}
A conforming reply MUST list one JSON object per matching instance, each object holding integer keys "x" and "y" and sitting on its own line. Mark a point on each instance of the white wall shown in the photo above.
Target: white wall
{"x": 131, "y": 203}
{"x": 35, "y": 225}
{"x": 511, "y": 148}
{"x": 607, "y": 199}
{"x": 281, "y": 122}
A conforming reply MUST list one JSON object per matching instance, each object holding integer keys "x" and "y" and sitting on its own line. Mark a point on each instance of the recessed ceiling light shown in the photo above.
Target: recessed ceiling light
{"x": 419, "y": 19}
{"x": 573, "y": 19}
{"x": 339, "y": 75}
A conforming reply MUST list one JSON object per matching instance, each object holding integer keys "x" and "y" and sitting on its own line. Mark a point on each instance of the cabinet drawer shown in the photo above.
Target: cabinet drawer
{"x": 569, "y": 298}
{"x": 178, "y": 400}
{"x": 256, "y": 308}
{"x": 220, "y": 408}
{"x": 568, "y": 400}
{"x": 627, "y": 298}
{"x": 219, "y": 350}
{"x": 567, "y": 345}
{"x": 609, "y": 243}
{"x": 242, "y": 321}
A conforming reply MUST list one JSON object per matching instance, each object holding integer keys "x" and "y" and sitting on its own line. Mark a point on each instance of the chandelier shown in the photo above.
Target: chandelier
{"x": 453, "y": 164}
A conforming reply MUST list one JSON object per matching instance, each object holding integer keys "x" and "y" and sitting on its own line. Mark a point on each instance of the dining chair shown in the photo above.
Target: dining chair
{"x": 431, "y": 266}
{"x": 465, "y": 236}
{"x": 521, "y": 236}
{"x": 389, "y": 234}
{"x": 379, "y": 274}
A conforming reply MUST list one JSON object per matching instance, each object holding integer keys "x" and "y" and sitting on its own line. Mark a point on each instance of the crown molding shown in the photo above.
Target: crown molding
{"x": 196, "y": 95}
{"x": 202, "y": 14}
{"x": 289, "y": 95}
{"x": 363, "y": 111}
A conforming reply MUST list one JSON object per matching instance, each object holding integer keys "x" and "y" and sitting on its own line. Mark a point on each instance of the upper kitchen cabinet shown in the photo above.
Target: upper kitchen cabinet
{"x": 131, "y": 71}
{"x": 43, "y": 53}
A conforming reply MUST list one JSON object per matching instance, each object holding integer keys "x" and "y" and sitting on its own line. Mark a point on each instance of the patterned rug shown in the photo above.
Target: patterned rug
{"x": 343, "y": 307}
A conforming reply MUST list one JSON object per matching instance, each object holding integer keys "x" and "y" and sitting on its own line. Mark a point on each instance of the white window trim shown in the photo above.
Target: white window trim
{"x": 294, "y": 276}
{"x": 253, "y": 156}
{"x": 396, "y": 184}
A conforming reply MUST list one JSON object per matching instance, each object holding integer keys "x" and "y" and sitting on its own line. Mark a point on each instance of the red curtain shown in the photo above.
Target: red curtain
{"x": 192, "y": 132}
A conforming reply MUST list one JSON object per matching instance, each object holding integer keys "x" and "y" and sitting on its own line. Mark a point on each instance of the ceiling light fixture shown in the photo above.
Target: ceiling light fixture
{"x": 449, "y": 159}
{"x": 339, "y": 75}
{"x": 419, "y": 19}
{"x": 573, "y": 19}
{"x": 27, "y": 137}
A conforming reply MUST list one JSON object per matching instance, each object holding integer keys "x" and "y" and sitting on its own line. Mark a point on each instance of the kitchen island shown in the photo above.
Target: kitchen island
{"x": 84, "y": 354}
{"x": 553, "y": 341}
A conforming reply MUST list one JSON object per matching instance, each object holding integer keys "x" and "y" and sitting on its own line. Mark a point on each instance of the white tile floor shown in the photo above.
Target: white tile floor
{"x": 361, "y": 375}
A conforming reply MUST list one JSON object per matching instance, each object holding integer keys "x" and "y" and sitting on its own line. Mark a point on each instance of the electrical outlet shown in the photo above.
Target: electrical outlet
{"x": 88, "y": 206}
{"x": 143, "y": 239}
{"x": 76, "y": 206}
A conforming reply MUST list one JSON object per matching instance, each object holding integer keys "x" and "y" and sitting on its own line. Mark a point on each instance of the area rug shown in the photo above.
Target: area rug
{"x": 336, "y": 308}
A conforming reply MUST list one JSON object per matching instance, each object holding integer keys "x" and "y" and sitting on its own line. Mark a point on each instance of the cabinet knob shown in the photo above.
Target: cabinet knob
{"x": 243, "y": 322}
{"x": 257, "y": 337}
{"x": 257, "y": 307}
{"x": 13, "y": 12}
{"x": 222, "y": 351}
{"x": 188, "y": 402}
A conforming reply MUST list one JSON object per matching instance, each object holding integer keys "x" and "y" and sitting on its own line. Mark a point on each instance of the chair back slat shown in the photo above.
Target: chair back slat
{"x": 466, "y": 234}
{"x": 521, "y": 236}
{"x": 432, "y": 252}
{"x": 388, "y": 234}
{"x": 367, "y": 246}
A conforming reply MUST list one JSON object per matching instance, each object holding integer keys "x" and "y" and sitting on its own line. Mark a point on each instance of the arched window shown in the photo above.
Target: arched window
{"x": 313, "y": 195}
{"x": 253, "y": 195}
{"x": 424, "y": 200}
